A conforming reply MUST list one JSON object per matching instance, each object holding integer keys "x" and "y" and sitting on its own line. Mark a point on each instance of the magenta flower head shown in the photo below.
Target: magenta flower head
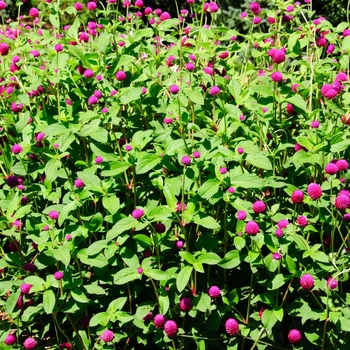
{"x": 252, "y": 228}
{"x": 98, "y": 160}
{"x": 342, "y": 202}
{"x": 159, "y": 321}
{"x": 58, "y": 275}
{"x": 241, "y": 215}
{"x": 78, "y": 183}
{"x": 283, "y": 223}
{"x": 240, "y": 150}
{"x": 164, "y": 16}
{"x": 91, "y": 6}
{"x": 328, "y": 92}
{"x": 342, "y": 164}
{"x": 78, "y": 6}
{"x": 196, "y": 154}
{"x": 10, "y": 339}
{"x": 174, "y": 89}
{"x": 107, "y": 336}
{"x": 120, "y": 75}
{"x": 315, "y": 124}
{"x": 294, "y": 336}
{"x": 170, "y": 328}
{"x": 139, "y": 270}
{"x": 29, "y": 344}
{"x": 214, "y": 292}
{"x": 314, "y": 191}
{"x": 53, "y": 214}
{"x": 16, "y": 107}
{"x": 2, "y": 5}
{"x": 186, "y": 160}
{"x": 25, "y": 288}
{"x": 255, "y": 7}
{"x": 277, "y": 256}
{"x": 138, "y": 213}
{"x": 307, "y": 282}
{"x": 58, "y": 47}
{"x": 231, "y": 326}
{"x": 34, "y": 12}
{"x": 297, "y": 197}
{"x": 16, "y": 149}
{"x": 302, "y": 220}
{"x": 277, "y": 77}
{"x": 332, "y": 283}
{"x": 259, "y": 207}
{"x": 331, "y": 169}
{"x": 223, "y": 170}
{"x": 186, "y": 304}
{"x": 214, "y": 90}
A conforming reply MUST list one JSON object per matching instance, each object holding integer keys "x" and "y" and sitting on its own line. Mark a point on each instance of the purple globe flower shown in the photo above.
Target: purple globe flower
{"x": 332, "y": 283}
{"x": 259, "y": 207}
{"x": 16, "y": 149}
{"x": 120, "y": 75}
{"x": 314, "y": 191}
{"x": 252, "y": 228}
{"x": 107, "y": 336}
{"x": 138, "y": 213}
{"x": 331, "y": 169}
{"x": 214, "y": 292}
{"x": 297, "y": 197}
{"x": 241, "y": 215}
{"x": 294, "y": 336}
{"x": 214, "y": 90}
{"x": 159, "y": 321}
{"x": 159, "y": 228}
{"x": 58, "y": 275}
{"x": 25, "y": 288}
{"x": 231, "y": 326}
{"x": 78, "y": 183}
{"x": 10, "y": 339}
{"x": 277, "y": 256}
{"x": 53, "y": 214}
{"x": 98, "y": 160}
{"x": 170, "y": 328}
{"x": 196, "y": 154}
{"x": 139, "y": 270}
{"x": 307, "y": 282}
{"x": 29, "y": 267}
{"x": 277, "y": 77}
{"x": 29, "y": 344}
{"x": 186, "y": 304}
{"x": 186, "y": 160}
{"x": 302, "y": 220}
{"x": 174, "y": 89}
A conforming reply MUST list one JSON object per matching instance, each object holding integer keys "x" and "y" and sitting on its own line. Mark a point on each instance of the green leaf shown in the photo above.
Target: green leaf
{"x": 319, "y": 256}
{"x": 12, "y": 301}
{"x": 143, "y": 240}
{"x": 157, "y": 275}
{"x": 169, "y": 194}
{"x": 278, "y": 313}
{"x": 209, "y": 188}
{"x": 340, "y": 146}
{"x": 277, "y": 282}
{"x": 91, "y": 181}
{"x": 141, "y": 138}
{"x": 259, "y": 161}
{"x": 102, "y": 318}
{"x": 51, "y": 169}
{"x": 183, "y": 277}
{"x": 129, "y": 94}
{"x": 116, "y": 305}
{"x": 79, "y": 296}
{"x": 96, "y": 247}
{"x": 297, "y": 101}
{"x": 112, "y": 204}
{"x": 247, "y": 181}
{"x": 209, "y": 258}
{"x": 262, "y": 90}
{"x": 232, "y": 259}
{"x": 268, "y": 319}
{"x": 196, "y": 96}
{"x": 120, "y": 227}
{"x": 164, "y": 303}
{"x": 305, "y": 142}
{"x": 187, "y": 257}
{"x": 103, "y": 41}
{"x": 235, "y": 89}
{"x": 126, "y": 275}
{"x": 94, "y": 289}
{"x": 290, "y": 264}
{"x": 62, "y": 254}
{"x": 54, "y": 20}
{"x": 206, "y": 221}
{"x": 202, "y": 302}
{"x": 49, "y": 301}
{"x": 146, "y": 163}
{"x": 129, "y": 257}
{"x": 346, "y": 44}
{"x": 66, "y": 211}
{"x": 239, "y": 242}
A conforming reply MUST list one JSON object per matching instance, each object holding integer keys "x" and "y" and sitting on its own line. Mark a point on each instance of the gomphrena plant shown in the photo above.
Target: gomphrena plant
{"x": 170, "y": 183}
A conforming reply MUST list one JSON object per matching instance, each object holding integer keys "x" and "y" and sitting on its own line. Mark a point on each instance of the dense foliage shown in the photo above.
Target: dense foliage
{"x": 171, "y": 183}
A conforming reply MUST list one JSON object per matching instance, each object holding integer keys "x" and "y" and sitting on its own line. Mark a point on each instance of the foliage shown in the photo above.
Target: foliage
{"x": 172, "y": 183}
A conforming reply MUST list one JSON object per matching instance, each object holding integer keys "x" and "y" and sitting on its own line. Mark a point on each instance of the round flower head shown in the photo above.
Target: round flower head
{"x": 25, "y": 288}
{"x": 66, "y": 345}
{"x": 138, "y": 213}
{"x": 214, "y": 292}
{"x": 307, "y": 282}
{"x": 164, "y": 16}
{"x": 29, "y": 267}
{"x": 107, "y": 336}
{"x": 279, "y": 233}
{"x": 332, "y": 283}
{"x": 88, "y": 73}
{"x": 139, "y": 270}
{"x": 180, "y": 244}
{"x": 214, "y": 90}
{"x": 148, "y": 317}
{"x": 2, "y": 5}
{"x": 78, "y": 183}
{"x": 158, "y": 321}
{"x": 240, "y": 150}
{"x": 277, "y": 77}
{"x": 315, "y": 124}
{"x": 259, "y": 207}
{"x": 297, "y": 197}
{"x": 91, "y": 6}
{"x": 186, "y": 304}
{"x": 174, "y": 89}
{"x": 10, "y": 339}
{"x": 98, "y": 160}
{"x": 241, "y": 215}
{"x": 283, "y": 223}
{"x": 16, "y": 149}
{"x": 196, "y": 154}
{"x": 186, "y": 160}
{"x": 58, "y": 275}
{"x": 314, "y": 191}
{"x": 170, "y": 328}
{"x": 29, "y": 344}
{"x": 53, "y": 214}
{"x": 159, "y": 228}
{"x": 12, "y": 181}
{"x": 279, "y": 56}
{"x": 302, "y": 220}
{"x": 342, "y": 164}
{"x": 294, "y": 336}
{"x": 342, "y": 202}
{"x": 120, "y": 75}
{"x": 231, "y": 190}
{"x": 252, "y": 228}
{"x": 189, "y": 66}
{"x": 34, "y": 12}
{"x": 128, "y": 148}
{"x": 290, "y": 109}
{"x": 231, "y": 326}
{"x": 331, "y": 169}
{"x": 277, "y": 256}
{"x": 223, "y": 170}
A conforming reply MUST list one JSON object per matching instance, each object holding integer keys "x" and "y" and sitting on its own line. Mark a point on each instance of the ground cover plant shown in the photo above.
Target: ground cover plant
{"x": 170, "y": 183}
